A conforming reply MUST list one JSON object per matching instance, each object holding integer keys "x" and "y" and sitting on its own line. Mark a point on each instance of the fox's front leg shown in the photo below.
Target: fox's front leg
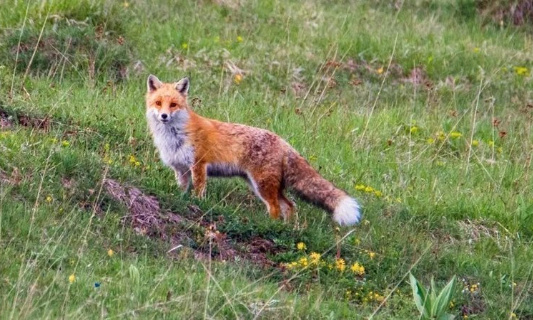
{"x": 183, "y": 178}
{"x": 199, "y": 177}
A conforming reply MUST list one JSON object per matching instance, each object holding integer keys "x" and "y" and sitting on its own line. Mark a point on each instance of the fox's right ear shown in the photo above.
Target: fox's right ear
{"x": 153, "y": 83}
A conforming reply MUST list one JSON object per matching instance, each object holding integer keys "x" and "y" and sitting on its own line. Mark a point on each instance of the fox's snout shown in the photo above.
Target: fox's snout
{"x": 163, "y": 117}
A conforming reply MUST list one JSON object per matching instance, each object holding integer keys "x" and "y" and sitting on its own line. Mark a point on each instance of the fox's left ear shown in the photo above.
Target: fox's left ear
{"x": 183, "y": 86}
{"x": 153, "y": 83}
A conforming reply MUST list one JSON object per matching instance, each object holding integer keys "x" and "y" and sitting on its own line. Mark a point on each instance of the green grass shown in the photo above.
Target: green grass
{"x": 450, "y": 157}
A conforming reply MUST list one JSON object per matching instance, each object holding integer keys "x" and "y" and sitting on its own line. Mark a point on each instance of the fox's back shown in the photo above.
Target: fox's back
{"x": 236, "y": 143}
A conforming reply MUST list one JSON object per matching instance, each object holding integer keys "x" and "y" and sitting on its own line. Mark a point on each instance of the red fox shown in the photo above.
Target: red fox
{"x": 197, "y": 147}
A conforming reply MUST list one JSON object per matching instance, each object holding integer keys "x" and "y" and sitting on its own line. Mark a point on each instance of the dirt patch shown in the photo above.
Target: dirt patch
{"x": 8, "y": 119}
{"x": 147, "y": 218}
{"x": 474, "y": 230}
{"x": 518, "y": 12}
{"x": 417, "y": 77}
{"x": 14, "y": 179}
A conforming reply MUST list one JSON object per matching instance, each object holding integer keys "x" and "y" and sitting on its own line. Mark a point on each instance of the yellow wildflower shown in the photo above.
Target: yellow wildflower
{"x": 357, "y": 269}
{"x": 340, "y": 264}
{"x": 65, "y": 143}
{"x": 137, "y": 163}
{"x": 475, "y": 143}
{"x": 237, "y": 78}
{"x": 301, "y": 246}
{"x": 71, "y": 278}
{"x": 369, "y": 189}
{"x": 413, "y": 130}
{"x": 476, "y": 50}
{"x": 303, "y": 262}
{"x": 521, "y": 71}
{"x": 184, "y": 45}
{"x": 110, "y": 252}
{"x": 455, "y": 135}
{"x": 239, "y": 39}
{"x": 371, "y": 254}
{"x": 315, "y": 258}
{"x": 378, "y": 193}
{"x": 125, "y": 4}
{"x": 380, "y": 70}
{"x": 430, "y": 141}
{"x": 499, "y": 150}
{"x": 360, "y": 187}
{"x": 491, "y": 143}
{"x": 132, "y": 159}
{"x": 49, "y": 199}
{"x": 441, "y": 136}
{"x": 357, "y": 241}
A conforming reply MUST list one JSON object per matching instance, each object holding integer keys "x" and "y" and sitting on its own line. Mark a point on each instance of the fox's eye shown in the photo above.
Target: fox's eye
{"x": 158, "y": 103}
{"x": 173, "y": 105}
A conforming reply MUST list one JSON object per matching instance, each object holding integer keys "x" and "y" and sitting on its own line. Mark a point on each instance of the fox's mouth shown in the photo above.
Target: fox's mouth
{"x": 164, "y": 120}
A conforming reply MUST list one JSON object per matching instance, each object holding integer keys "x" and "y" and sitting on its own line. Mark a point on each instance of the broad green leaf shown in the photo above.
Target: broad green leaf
{"x": 446, "y": 316}
{"x": 419, "y": 295}
{"x": 443, "y": 300}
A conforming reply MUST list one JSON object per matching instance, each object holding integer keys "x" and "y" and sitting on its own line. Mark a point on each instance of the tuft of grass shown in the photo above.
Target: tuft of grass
{"x": 78, "y": 41}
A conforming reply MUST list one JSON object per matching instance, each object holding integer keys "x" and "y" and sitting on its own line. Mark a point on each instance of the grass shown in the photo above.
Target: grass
{"x": 422, "y": 114}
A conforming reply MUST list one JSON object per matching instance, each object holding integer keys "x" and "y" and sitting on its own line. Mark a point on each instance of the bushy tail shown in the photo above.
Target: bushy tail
{"x": 300, "y": 176}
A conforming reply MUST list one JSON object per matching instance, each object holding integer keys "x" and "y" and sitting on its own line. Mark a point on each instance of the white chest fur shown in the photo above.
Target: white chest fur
{"x": 171, "y": 140}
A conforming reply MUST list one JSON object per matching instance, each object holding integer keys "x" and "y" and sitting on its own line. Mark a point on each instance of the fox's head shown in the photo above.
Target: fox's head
{"x": 167, "y": 102}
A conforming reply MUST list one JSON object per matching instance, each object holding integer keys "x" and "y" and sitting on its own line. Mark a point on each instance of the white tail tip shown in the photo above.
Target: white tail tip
{"x": 347, "y": 212}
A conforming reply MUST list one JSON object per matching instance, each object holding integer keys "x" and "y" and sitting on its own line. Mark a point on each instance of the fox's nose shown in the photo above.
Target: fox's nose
{"x": 164, "y": 116}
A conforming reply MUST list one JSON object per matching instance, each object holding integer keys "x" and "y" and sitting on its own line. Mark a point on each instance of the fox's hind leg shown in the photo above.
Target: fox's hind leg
{"x": 287, "y": 206}
{"x": 267, "y": 189}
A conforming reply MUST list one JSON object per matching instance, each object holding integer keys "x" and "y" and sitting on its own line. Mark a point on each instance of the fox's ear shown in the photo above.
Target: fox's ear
{"x": 183, "y": 86}
{"x": 153, "y": 83}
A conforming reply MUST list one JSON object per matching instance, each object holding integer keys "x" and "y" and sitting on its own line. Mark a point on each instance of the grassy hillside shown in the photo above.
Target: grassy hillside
{"x": 423, "y": 111}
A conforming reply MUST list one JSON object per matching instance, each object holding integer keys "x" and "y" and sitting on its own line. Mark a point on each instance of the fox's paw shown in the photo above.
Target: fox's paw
{"x": 199, "y": 193}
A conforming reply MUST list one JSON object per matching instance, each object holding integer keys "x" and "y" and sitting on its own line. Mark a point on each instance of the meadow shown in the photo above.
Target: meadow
{"x": 422, "y": 110}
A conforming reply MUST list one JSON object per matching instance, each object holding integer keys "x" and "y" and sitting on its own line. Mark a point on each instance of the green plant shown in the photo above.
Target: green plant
{"x": 431, "y": 305}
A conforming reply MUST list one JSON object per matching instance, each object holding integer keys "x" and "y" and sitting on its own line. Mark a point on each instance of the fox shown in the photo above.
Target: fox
{"x": 196, "y": 147}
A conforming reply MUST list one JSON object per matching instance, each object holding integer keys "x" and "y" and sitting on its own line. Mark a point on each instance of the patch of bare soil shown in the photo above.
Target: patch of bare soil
{"x": 7, "y": 120}
{"x": 417, "y": 77}
{"x": 13, "y": 179}
{"x": 146, "y": 217}
{"x": 517, "y": 12}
